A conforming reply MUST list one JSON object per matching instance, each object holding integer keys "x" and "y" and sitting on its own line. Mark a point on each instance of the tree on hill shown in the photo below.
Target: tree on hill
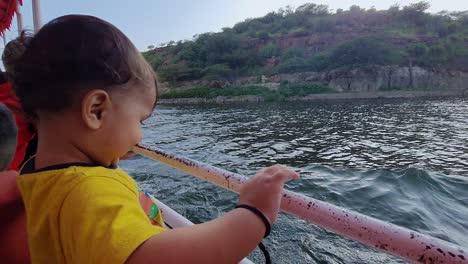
{"x": 312, "y": 9}
{"x": 364, "y": 51}
{"x": 314, "y": 38}
{"x": 416, "y": 13}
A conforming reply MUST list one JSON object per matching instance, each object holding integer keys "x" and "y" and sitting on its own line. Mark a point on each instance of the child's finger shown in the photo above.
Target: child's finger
{"x": 284, "y": 174}
{"x": 272, "y": 169}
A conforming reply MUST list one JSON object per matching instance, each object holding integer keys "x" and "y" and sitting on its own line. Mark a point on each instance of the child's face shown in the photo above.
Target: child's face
{"x": 129, "y": 111}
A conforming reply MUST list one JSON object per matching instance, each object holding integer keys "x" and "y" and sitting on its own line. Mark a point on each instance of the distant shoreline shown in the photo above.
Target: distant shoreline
{"x": 328, "y": 96}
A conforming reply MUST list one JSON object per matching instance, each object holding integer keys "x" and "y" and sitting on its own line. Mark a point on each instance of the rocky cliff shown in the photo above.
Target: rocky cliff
{"x": 368, "y": 79}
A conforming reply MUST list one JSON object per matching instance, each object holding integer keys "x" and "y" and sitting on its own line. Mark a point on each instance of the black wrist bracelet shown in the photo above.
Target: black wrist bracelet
{"x": 259, "y": 214}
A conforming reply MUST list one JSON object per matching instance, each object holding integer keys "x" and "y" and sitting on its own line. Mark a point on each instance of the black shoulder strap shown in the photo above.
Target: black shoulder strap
{"x": 28, "y": 166}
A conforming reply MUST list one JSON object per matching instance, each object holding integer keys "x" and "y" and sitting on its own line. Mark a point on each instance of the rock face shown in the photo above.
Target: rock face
{"x": 384, "y": 78}
{"x": 368, "y": 79}
{"x": 244, "y": 81}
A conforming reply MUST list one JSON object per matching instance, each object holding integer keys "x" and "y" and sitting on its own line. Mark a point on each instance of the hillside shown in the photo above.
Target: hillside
{"x": 312, "y": 38}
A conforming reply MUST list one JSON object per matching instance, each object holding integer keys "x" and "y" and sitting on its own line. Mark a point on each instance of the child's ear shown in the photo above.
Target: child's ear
{"x": 94, "y": 106}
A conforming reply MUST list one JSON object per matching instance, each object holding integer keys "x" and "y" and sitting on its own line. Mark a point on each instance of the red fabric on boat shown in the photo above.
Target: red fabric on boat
{"x": 24, "y": 132}
{"x": 13, "y": 233}
{"x": 7, "y": 11}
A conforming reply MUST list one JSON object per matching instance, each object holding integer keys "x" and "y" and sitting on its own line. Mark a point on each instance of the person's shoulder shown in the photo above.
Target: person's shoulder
{"x": 98, "y": 187}
{"x": 75, "y": 174}
{"x": 102, "y": 176}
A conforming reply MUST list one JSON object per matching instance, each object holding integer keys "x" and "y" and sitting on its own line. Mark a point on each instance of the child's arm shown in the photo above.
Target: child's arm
{"x": 227, "y": 239}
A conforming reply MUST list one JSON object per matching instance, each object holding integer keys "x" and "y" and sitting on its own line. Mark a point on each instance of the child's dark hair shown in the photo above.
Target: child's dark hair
{"x": 8, "y": 134}
{"x": 13, "y": 52}
{"x": 72, "y": 54}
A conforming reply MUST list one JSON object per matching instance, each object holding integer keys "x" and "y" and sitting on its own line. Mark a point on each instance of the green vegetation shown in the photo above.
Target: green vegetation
{"x": 302, "y": 89}
{"x": 313, "y": 38}
{"x": 285, "y": 90}
{"x": 204, "y": 92}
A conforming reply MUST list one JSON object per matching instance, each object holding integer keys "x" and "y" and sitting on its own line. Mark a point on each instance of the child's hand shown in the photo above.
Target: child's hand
{"x": 264, "y": 189}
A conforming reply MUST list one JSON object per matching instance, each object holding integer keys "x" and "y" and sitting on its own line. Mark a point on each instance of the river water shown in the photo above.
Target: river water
{"x": 402, "y": 161}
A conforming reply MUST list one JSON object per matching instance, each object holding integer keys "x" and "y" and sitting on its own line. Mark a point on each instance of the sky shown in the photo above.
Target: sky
{"x": 151, "y": 22}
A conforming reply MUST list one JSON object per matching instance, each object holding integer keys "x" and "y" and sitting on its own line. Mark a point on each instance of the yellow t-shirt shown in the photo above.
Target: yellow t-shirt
{"x": 83, "y": 214}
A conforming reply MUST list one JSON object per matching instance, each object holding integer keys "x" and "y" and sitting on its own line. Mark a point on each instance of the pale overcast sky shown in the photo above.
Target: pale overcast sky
{"x": 149, "y": 22}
